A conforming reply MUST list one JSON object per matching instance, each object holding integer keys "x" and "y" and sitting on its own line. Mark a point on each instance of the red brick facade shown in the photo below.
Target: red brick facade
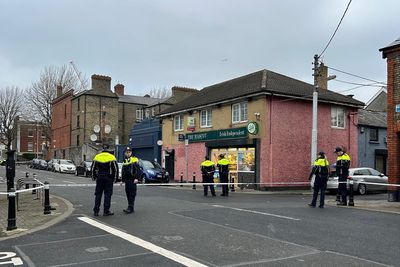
{"x": 392, "y": 54}
{"x": 30, "y": 138}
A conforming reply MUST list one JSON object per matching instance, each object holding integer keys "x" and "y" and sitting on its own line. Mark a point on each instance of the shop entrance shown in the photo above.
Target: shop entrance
{"x": 170, "y": 163}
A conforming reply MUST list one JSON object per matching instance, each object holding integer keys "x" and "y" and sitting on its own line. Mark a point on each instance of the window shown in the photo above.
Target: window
{"x": 337, "y": 117}
{"x": 65, "y": 111}
{"x": 79, "y": 104}
{"x": 153, "y": 112}
{"x": 205, "y": 118}
{"x": 373, "y": 135}
{"x": 139, "y": 114}
{"x": 30, "y": 147}
{"x": 147, "y": 113}
{"x": 30, "y": 132}
{"x": 178, "y": 123}
{"x": 77, "y": 121}
{"x": 239, "y": 112}
{"x": 77, "y": 140}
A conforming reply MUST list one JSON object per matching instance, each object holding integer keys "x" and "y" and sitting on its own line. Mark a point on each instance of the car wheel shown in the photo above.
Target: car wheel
{"x": 362, "y": 189}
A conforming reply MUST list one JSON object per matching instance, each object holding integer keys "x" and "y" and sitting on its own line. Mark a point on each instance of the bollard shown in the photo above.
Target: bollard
{"x": 194, "y": 181}
{"x": 232, "y": 184}
{"x": 181, "y": 179}
{"x": 351, "y": 195}
{"x": 10, "y": 169}
{"x": 338, "y": 192}
{"x": 11, "y": 222}
{"x": 47, "y": 206}
{"x": 33, "y": 186}
{"x": 26, "y": 176}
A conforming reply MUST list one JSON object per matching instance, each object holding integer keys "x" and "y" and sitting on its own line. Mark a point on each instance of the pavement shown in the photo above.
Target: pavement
{"x": 30, "y": 216}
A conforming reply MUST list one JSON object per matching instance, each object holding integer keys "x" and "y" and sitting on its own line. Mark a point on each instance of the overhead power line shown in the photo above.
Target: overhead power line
{"x": 333, "y": 35}
{"x": 357, "y": 76}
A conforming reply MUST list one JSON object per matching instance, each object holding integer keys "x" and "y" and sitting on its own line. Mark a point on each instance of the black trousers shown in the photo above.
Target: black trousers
{"x": 319, "y": 185}
{"x": 208, "y": 179}
{"x": 130, "y": 190}
{"x": 223, "y": 178}
{"x": 342, "y": 188}
{"x": 103, "y": 184}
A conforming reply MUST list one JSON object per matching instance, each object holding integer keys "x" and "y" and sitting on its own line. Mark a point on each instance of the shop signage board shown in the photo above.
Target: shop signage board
{"x": 218, "y": 135}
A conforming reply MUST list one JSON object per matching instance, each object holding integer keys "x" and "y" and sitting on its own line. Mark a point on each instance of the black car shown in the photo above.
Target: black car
{"x": 84, "y": 169}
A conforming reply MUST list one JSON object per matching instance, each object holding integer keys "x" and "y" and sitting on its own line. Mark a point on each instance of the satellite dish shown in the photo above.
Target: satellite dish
{"x": 96, "y": 128}
{"x": 93, "y": 137}
{"x": 107, "y": 129}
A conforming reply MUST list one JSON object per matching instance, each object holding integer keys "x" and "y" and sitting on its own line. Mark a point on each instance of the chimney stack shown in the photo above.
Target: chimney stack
{"x": 101, "y": 83}
{"x": 323, "y": 77}
{"x": 119, "y": 89}
{"x": 59, "y": 90}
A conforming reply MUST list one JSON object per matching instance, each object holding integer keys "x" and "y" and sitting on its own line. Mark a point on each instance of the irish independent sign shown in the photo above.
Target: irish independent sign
{"x": 217, "y": 135}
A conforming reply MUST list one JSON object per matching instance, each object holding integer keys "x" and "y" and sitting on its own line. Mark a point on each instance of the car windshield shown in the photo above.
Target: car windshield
{"x": 147, "y": 164}
{"x": 67, "y": 162}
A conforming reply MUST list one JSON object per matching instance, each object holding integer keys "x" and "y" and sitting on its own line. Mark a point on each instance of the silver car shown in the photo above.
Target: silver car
{"x": 365, "y": 180}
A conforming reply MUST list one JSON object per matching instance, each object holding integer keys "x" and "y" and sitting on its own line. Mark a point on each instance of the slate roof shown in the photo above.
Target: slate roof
{"x": 140, "y": 100}
{"x": 257, "y": 83}
{"x": 372, "y": 118}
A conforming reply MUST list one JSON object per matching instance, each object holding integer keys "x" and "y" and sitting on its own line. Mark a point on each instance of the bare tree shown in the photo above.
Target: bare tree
{"x": 160, "y": 92}
{"x": 10, "y": 107}
{"x": 42, "y": 93}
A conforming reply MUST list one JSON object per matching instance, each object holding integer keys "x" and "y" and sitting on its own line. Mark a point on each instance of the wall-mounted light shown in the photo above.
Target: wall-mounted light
{"x": 257, "y": 114}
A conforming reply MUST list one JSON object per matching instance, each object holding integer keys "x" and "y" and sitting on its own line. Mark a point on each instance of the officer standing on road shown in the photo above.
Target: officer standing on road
{"x": 130, "y": 174}
{"x": 105, "y": 173}
{"x": 207, "y": 171}
{"x": 321, "y": 172}
{"x": 223, "y": 169}
{"x": 342, "y": 171}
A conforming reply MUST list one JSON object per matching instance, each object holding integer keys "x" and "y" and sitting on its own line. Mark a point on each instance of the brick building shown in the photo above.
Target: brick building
{"x": 392, "y": 55}
{"x": 30, "y": 138}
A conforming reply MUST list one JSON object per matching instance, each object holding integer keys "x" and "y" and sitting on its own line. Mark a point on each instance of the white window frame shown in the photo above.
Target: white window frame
{"x": 240, "y": 112}
{"x": 178, "y": 123}
{"x": 205, "y": 118}
{"x": 153, "y": 112}
{"x": 335, "y": 117}
{"x": 139, "y": 114}
{"x": 147, "y": 113}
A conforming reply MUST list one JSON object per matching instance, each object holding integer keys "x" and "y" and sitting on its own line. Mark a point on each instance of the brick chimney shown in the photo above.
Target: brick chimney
{"x": 119, "y": 89}
{"x": 59, "y": 90}
{"x": 101, "y": 83}
{"x": 323, "y": 77}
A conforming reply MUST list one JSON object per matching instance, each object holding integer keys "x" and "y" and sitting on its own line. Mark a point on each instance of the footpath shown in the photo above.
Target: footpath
{"x": 30, "y": 215}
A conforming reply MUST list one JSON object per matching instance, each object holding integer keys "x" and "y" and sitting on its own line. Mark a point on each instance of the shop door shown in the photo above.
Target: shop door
{"x": 170, "y": 163}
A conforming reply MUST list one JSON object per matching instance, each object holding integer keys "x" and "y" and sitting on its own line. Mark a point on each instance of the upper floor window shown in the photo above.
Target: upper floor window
{"x": 373, "y": 135}
{"x": 30, "y": 132}
{"x": 78, "y": 122}
{"x": 147, "y": 113}
{"x": 178, "y": 123}
{"x": 206, "y": 118}
{"x": 65, "y": 111}
{"x": 153, "y": 112}
{"x": 337, "y": 117}
{"x": 79, "y": 104}
{"x": 239, "y": 112}
{"x": 139, "y": 114}
{"x": 30, "y": 147}
{"x": 77, "y": 140}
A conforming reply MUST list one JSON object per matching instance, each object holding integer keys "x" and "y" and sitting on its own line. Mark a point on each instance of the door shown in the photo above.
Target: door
{"x": 170, "y": 163}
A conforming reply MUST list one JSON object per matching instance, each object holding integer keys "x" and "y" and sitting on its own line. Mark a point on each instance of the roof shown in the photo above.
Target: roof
{"x": 140, "y": 100}
{"x": 257, "y": 83}
{"x": 372, "y": 118}
{"x": 379, "y": 101}
{"x": 392, "y": 45}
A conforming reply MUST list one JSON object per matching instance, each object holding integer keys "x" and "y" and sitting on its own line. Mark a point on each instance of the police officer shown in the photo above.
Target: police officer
{"x": 321, "y": 172}
{"x": 130, "y": 174}
{"x": 342, "y": 171}
{"x": 223, "y": 169}
{"x": 105, "y": 172}
{"x": 207, "y": 170}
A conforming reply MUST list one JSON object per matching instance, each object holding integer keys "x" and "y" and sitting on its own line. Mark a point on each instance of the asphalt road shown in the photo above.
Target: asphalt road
{"x": 174, "y": 226}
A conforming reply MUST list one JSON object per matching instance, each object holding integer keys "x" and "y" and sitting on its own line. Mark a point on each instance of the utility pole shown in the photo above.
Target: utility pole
{"x": 314, "y": 131}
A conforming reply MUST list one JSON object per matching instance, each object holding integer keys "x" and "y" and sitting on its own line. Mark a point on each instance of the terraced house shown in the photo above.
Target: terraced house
{"x": 262, "y": 123}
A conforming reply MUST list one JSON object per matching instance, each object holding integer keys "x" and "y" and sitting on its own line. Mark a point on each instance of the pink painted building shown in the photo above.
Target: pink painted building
{"x": 262, "y": 122}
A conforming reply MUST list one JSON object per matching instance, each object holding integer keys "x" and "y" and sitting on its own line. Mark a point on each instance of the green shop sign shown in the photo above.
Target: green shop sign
{"x": 217, "y": 135}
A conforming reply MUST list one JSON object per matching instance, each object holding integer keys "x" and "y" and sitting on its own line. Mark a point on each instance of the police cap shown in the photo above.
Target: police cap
{"x": 338, "y": 149}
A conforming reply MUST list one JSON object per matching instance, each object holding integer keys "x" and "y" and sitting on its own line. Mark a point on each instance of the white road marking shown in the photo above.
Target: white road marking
{"x": 147, "y": 245}
{"x": 258, "y": 212}
{"x": 69, "y": 182}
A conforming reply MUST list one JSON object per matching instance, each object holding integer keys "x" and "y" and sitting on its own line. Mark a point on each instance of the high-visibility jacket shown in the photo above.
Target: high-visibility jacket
{"x": 105, "y": 164}
{"x": 207, "y": 167}
{"x": 223, "y": 166}
{"x": 343, "y": 165}
{"x": 320, "y": 168}
{"x": 130, "y": 168}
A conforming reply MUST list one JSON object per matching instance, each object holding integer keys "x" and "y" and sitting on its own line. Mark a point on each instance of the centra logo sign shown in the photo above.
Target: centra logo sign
{"x": 252, "y": 127}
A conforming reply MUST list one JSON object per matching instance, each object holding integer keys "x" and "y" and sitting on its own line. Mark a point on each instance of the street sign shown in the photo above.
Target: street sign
{"x": 398, "y": 108}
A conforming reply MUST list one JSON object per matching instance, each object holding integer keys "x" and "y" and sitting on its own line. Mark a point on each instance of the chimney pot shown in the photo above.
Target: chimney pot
{"x": 119, "y": 89}
{"x": 59, "y": 90}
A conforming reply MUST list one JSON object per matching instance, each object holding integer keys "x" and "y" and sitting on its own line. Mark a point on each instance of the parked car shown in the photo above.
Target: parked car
{"x": 42, "y": 164}
{"x": 35, "y": 164}
{"x": 50, "y": 164}
{"x": 85, "y": 169}
{"x": 361, "y": 178}
{"x": 152, "y": 172}
{"x": 64, "y": 165}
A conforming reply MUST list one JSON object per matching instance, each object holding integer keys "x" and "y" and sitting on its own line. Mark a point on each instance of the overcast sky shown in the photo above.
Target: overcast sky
{"x": 148, "y": 44}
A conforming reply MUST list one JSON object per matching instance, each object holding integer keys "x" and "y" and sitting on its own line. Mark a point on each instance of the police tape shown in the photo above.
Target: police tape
{"x": 367, "y": 183}
{"x": 22, "y": 190}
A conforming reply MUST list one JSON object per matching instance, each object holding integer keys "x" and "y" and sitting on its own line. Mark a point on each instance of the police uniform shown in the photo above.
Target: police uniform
{"x": 130, "y": 175}
{"x": 342, "y": 171}
{"x": 207, "y": 171}
{"x": 223, "y": 169}
{"x": 321, "y": 172}
{"x": 105, "y": 172}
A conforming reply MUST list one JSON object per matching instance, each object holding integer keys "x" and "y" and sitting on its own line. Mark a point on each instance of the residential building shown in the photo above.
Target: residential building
{"x": 392, "y": 55}
{"x": 262, "y": 123}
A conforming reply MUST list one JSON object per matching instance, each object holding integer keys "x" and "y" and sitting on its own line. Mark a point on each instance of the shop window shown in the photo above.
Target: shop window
{"x": 373, "y": 135}
{"x": 239, "y": 112}
{"x": 205, "y": 118}
{"x": 178, "y": 123}
{"x": 337, "y": 117}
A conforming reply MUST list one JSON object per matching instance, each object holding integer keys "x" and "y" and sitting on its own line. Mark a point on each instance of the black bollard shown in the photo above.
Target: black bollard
{"x": 27, "y": 184}
{"x": 232, "y": 184}
{"x": 47, "y": 206}
{"x": 338, "y": 193}
{"x": 351, "y": 193}
{"x": 194, "y": 181}
{"x": 11, "y": 221}
{"x": 33, "y": 185}
{"x": 10, "y": 169}
{"x": 181, "y": 179}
